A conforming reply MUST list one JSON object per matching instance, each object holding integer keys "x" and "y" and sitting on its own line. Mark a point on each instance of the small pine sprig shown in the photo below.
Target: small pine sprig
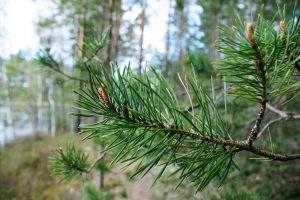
{"x": 255, "y": 60}
{"x": 68, "y": 163}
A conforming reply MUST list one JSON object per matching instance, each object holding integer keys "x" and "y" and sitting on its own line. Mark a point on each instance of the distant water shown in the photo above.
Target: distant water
{"x": 23, "y": 125}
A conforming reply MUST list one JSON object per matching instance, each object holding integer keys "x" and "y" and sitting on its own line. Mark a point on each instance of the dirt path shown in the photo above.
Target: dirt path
{"x": 139, "y": 189}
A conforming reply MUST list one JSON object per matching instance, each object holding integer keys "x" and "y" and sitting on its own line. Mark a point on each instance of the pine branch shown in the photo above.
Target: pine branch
{"x": 154, "y": 123}
{"x": 95, "y": 46}
{"x": 261, "y": 67}
{"x": 143, "y": 120}
{"x": 240, "y": 145}
{"x": 68, "y": 164}
{"x": 46, "y": 59}
{"x": 142, "y": 117}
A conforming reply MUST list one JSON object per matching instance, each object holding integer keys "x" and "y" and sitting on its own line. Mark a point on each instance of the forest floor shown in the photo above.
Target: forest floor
{"x": 25, "y": 174}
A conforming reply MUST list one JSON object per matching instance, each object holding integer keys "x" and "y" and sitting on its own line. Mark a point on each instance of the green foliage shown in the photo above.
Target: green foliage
{"x": 92, "y": 46}
{"x": 123, "y": 193}
{"x": 142, "y": 118}
{"x": 90, "y": 192}
{"x": 25, "y": 173}
{"x": 263, "y": 68}
{"x": 200, "y": 62}
{"x": 243, "y": 195}
{"x": 68, "y": 163}
{"x": 46, "y": 59}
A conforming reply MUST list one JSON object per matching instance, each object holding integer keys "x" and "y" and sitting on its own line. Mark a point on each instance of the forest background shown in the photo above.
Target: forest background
{"x": 171, "y": 35}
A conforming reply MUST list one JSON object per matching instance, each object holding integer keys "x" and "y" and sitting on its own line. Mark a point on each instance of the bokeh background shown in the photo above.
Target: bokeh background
{"x": 172, "y": 36}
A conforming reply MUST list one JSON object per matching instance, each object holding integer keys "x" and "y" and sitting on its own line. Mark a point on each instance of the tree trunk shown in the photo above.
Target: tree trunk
{"x": 111, "y": 4}
{"x": 142, "y": 25}
{"x": 7, "y": 109}
{"x": 51, "y": 102}
{"x": 166, "y": 57}
{"x": 180, "y": 33}
{"x": 80, "y": 49}
{"x": 117, "y": 27}
{"x": 39, "y": 103}
{"x": 99, "y": 178}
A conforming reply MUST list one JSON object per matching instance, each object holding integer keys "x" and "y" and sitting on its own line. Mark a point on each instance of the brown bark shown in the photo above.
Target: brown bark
{"x": 180, "y": 33}
{"x": 117, "y": 27}
{"x": 111, "y": 4}
{"x": 142, "y": 25}
{"x": 80, "y": 49}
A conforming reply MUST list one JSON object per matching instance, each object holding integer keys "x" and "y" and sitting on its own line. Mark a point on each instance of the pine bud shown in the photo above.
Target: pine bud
{"x": 102, "y": 95}
{"x": 250, "y": 31}
{"x": 281, "y": 27}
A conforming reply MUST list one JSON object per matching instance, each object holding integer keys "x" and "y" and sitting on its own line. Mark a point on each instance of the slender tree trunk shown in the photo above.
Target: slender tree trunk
{"x": 39, "y": 103}
{"x": 111, "y": 4}
{"x": 7, "y": 108}
{"x": 63, "y": 111}
{"x": 142, "y": 25}
{"x": 180, "y": 32}
{"x": 215, "y": 36}
{"x": 80, "y": 48}
{"x": 99, "y": 178}
{"x": 215, "y": 32}
{"x": 166, "y": 57}
{"x": 117, "y": 27}
{"x": 51, "y": 108}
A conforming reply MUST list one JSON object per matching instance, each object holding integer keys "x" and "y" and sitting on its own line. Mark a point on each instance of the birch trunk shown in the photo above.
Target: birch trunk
{"x": 39, "y": 103}
{"x": 7, "y": 109}
{"x": 51, "y": 109}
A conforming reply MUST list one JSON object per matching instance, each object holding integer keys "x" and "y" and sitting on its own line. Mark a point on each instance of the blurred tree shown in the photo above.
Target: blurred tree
{"x": 142, "y": 17}
{"x": 7, "y": 100}
{"x": 167, "y": 44}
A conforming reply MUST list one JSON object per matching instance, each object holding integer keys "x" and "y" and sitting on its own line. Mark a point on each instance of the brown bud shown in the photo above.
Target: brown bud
{"x": 250, "y": 31}
{"x": 103, "y": 95}
{"x": 281, "y": 26}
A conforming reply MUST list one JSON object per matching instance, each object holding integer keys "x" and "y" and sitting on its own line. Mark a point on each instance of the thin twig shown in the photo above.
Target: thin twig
{"x": 275, "y": 110}
{"x": 284, "y": 114}
{"x": 288, "y": 116}
{"x": 240, "y": 145}
{"x": 268, "y": 125}
{"x": 95, "y": 163}
{"x": 69, "y": 76}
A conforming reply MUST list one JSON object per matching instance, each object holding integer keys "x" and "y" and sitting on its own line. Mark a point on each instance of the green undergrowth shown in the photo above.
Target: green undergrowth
{"x": 25, "y": 174}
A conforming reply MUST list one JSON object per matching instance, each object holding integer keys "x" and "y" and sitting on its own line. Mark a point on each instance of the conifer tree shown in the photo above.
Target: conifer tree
{"x": 143, "y": 118}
